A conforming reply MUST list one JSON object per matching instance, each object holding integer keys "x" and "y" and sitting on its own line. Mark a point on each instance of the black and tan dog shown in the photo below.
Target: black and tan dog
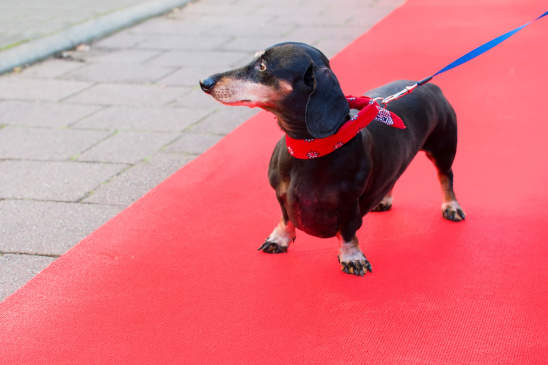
{"x": 328, "y": 196}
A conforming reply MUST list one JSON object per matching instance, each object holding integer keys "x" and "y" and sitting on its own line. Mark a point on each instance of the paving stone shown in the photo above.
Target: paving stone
{"x": 14, "y": 87}
{"x": 243, "y": 30}
{"x": 219, "y": 22}
{"x": 139, "y": 179}
{"x": 120, "y": 40}
{"x": 183, "y": 42}
{"x": 252, "y": 45}
{"x": 23, "y": 20}
{"x": 268, "y": 9}
{"x": 276, "y": 7}
{"x": 224, "y": 121}
{"x": 318, "y": 33}
{"x": 163, "y": 26}
{"x": 48, "y": 227}
{"x": 59, "y": 181}
{"x": 16, "y": 270}
{"x": 42, "y": 114}
{"x": 196, "y": 98}
{"x": 192, "y": 143}
{"x": 117, "y": 55}
{"x": 188, "y": 76}
{"x": 301, "y": 18}
{"x": 349, "y": 5}
{"x": 128, "y": 147}
{"x": 143, "y": 119}
{"x": 201, "y": 8}
{"x": 46, "y": 144}
{"x": 51, "y": 68}
{"x": 119, "y": 72}
{"x": 121, "y": 94}
{"x": 206, "y": 58}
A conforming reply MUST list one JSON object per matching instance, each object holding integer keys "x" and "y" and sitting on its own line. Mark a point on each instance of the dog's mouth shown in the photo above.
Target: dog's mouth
{"x": 243, "y": 102}
{"x": 237, "y": 102}
{"x": 242, "y": 92}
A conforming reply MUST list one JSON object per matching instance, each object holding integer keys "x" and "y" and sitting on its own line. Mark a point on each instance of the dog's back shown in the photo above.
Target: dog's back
{"x": 431, "y": 126}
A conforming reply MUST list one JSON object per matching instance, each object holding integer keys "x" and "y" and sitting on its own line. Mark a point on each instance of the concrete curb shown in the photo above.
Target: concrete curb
{"x": 41, "y": 48}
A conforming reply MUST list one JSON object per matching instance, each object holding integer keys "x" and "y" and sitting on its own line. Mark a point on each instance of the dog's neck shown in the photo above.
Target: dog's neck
{"x": 294, "y": 128}
{"x": 369, "y": 111}
{"x": 291, "y": 122}
{"x": 294, "y": 125}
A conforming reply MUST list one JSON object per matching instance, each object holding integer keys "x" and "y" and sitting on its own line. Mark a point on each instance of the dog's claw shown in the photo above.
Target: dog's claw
{"x": 272, "y": 247}
{"x": 453, "y": 212}
{"x": 358, "y": 268}
{"x": 382, "y": 207}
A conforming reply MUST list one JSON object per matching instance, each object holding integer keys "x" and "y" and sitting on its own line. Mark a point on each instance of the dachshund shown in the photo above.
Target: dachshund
{"x": 328, "y": 196}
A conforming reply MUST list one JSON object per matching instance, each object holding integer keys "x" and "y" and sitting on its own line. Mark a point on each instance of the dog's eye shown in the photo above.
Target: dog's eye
{"x": 261, "y": 66}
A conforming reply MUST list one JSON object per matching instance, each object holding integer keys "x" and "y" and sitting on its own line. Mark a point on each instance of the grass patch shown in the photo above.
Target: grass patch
{"x": 11, "y": 45}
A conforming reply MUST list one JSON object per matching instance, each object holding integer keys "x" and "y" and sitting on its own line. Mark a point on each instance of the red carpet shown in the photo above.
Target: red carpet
{"x": 176, "y": 278}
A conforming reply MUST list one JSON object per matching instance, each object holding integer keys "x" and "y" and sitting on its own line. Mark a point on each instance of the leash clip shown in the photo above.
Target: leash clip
{"x": 399, "y": 94}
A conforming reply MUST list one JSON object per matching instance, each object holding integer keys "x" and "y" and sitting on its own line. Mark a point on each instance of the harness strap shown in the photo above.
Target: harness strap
{"x": 370, "y": 110}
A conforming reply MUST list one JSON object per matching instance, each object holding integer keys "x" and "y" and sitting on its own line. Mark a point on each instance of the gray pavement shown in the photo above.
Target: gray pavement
{"x": 84, "y": 136}
{"x": 23, "y": 21}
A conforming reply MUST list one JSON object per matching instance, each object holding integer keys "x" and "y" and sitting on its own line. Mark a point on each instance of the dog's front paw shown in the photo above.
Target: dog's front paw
{"x": 272, "y": 247}
{"x": 356, "y": 266}
{"x": 452, "y": 211}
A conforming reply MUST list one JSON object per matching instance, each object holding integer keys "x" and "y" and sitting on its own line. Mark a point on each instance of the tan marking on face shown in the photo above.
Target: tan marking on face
{"x": 285, "y": 87}
{"x": 244, "y": 92}
{"x": 258, "y": 54}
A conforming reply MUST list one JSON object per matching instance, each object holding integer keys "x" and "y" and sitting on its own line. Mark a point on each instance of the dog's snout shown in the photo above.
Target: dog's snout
{"x": 207, "y": 84}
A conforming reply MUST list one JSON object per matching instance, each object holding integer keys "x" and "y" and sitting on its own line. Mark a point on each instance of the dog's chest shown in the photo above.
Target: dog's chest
{"x": 315, "y": 193}
{"x": 313, "y": 208}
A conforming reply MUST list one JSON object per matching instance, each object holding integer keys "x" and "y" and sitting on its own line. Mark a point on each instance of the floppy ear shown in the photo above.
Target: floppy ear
{"x": 327, "y": 108}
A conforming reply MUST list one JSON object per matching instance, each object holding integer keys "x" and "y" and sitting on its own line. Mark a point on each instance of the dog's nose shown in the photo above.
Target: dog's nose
{"x": 207, "y": 84}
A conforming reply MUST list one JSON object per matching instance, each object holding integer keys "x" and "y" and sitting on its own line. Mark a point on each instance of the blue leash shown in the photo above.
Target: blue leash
{"x": 467, "y": 57}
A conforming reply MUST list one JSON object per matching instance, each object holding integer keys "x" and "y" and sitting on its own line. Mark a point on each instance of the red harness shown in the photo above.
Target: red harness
{"x": 307, "y": 149}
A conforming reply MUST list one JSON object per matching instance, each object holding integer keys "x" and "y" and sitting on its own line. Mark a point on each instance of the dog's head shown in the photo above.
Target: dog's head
{"x": 291, "y": 80}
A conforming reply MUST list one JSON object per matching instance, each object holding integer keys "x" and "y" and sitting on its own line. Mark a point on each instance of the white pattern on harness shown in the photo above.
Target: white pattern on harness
{"x": 384, "y": 117}
{"x": 312, "y": 154}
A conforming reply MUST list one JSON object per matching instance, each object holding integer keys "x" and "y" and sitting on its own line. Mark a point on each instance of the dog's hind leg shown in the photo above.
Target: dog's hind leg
{"x": 450, "y": 207}
{"x": 440, "y": 149}
{"x": 385, "y": 204}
